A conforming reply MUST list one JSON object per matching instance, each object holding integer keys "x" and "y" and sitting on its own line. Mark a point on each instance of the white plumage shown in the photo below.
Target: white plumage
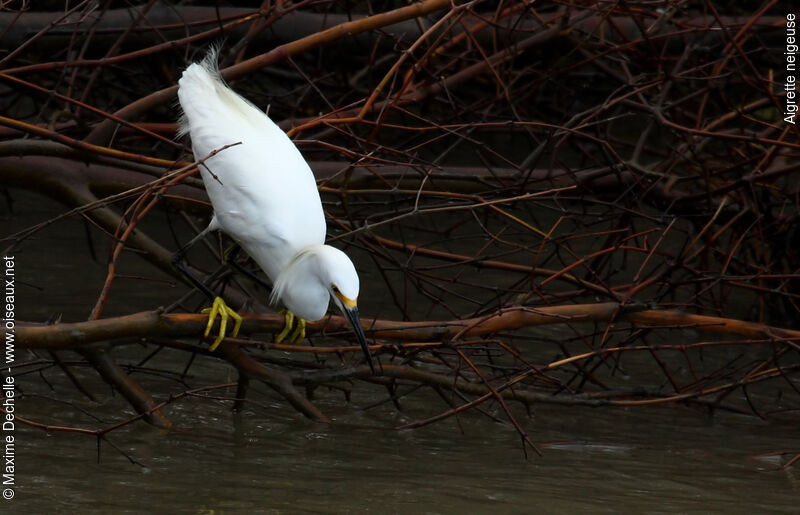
{"x": 265, "y": 197}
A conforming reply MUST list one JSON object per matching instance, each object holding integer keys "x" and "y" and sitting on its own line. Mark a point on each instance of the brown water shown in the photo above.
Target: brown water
{"x": 268, "y": 459}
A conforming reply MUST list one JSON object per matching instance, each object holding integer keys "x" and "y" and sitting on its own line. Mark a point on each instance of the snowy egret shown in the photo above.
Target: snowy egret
{"x": 264, "y": 197}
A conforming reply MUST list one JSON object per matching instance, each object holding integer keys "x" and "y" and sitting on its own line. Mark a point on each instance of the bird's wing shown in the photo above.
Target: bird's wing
{"x": 262, "y": 199}
{"x": 263, "y": 192}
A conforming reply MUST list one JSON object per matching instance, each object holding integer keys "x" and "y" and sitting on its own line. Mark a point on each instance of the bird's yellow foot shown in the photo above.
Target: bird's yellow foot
{"x": 220, "y": 308}
{"x": 295, "y": 335}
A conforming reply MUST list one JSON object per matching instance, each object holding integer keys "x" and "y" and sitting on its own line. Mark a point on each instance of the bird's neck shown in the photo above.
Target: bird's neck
{"x": 299, "y": 286}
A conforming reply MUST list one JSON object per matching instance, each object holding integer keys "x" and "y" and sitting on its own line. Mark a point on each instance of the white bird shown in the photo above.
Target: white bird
{"x": 265, "y": 198}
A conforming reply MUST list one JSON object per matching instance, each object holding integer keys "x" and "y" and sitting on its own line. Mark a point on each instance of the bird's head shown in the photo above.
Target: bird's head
{"x": 316, "y": 274}
{"x": 339, "y": 274}
{"x": 341, "y": 278}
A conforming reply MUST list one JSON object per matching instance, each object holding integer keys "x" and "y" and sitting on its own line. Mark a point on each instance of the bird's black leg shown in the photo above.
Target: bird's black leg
{"x": 218, "y": 306}
{"x": 230, "y": 258}
{"x": 295, "y": 331}
{"x": 177, "y": 262}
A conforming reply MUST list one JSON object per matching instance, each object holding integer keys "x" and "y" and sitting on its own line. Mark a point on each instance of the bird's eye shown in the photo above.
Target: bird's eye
{"x": 335, "y": 288}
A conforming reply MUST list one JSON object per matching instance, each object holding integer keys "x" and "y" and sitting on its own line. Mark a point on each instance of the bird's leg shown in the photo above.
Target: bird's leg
{"x": 299, "y": 331}
{"x": 287, "y": 327}
{"x": 230, "y": 258}
{"x": 296, "y": 334}
{"x": 218, "y": 306}
{"x": 290, "y": 318}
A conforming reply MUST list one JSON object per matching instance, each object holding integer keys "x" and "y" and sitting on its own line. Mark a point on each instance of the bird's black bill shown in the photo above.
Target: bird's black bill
{"x": 355, "y": 321}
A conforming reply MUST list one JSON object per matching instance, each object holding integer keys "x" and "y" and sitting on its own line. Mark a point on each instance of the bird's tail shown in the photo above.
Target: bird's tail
{"x": 205, "y": 98}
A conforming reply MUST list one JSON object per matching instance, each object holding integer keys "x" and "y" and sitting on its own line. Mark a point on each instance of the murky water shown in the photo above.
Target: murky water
{"x": 268, "y": 459}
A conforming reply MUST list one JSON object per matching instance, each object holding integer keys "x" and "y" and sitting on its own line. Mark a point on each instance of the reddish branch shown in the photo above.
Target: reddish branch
{"x": 155, "y": 324}
{"x": 104, "y": 130}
